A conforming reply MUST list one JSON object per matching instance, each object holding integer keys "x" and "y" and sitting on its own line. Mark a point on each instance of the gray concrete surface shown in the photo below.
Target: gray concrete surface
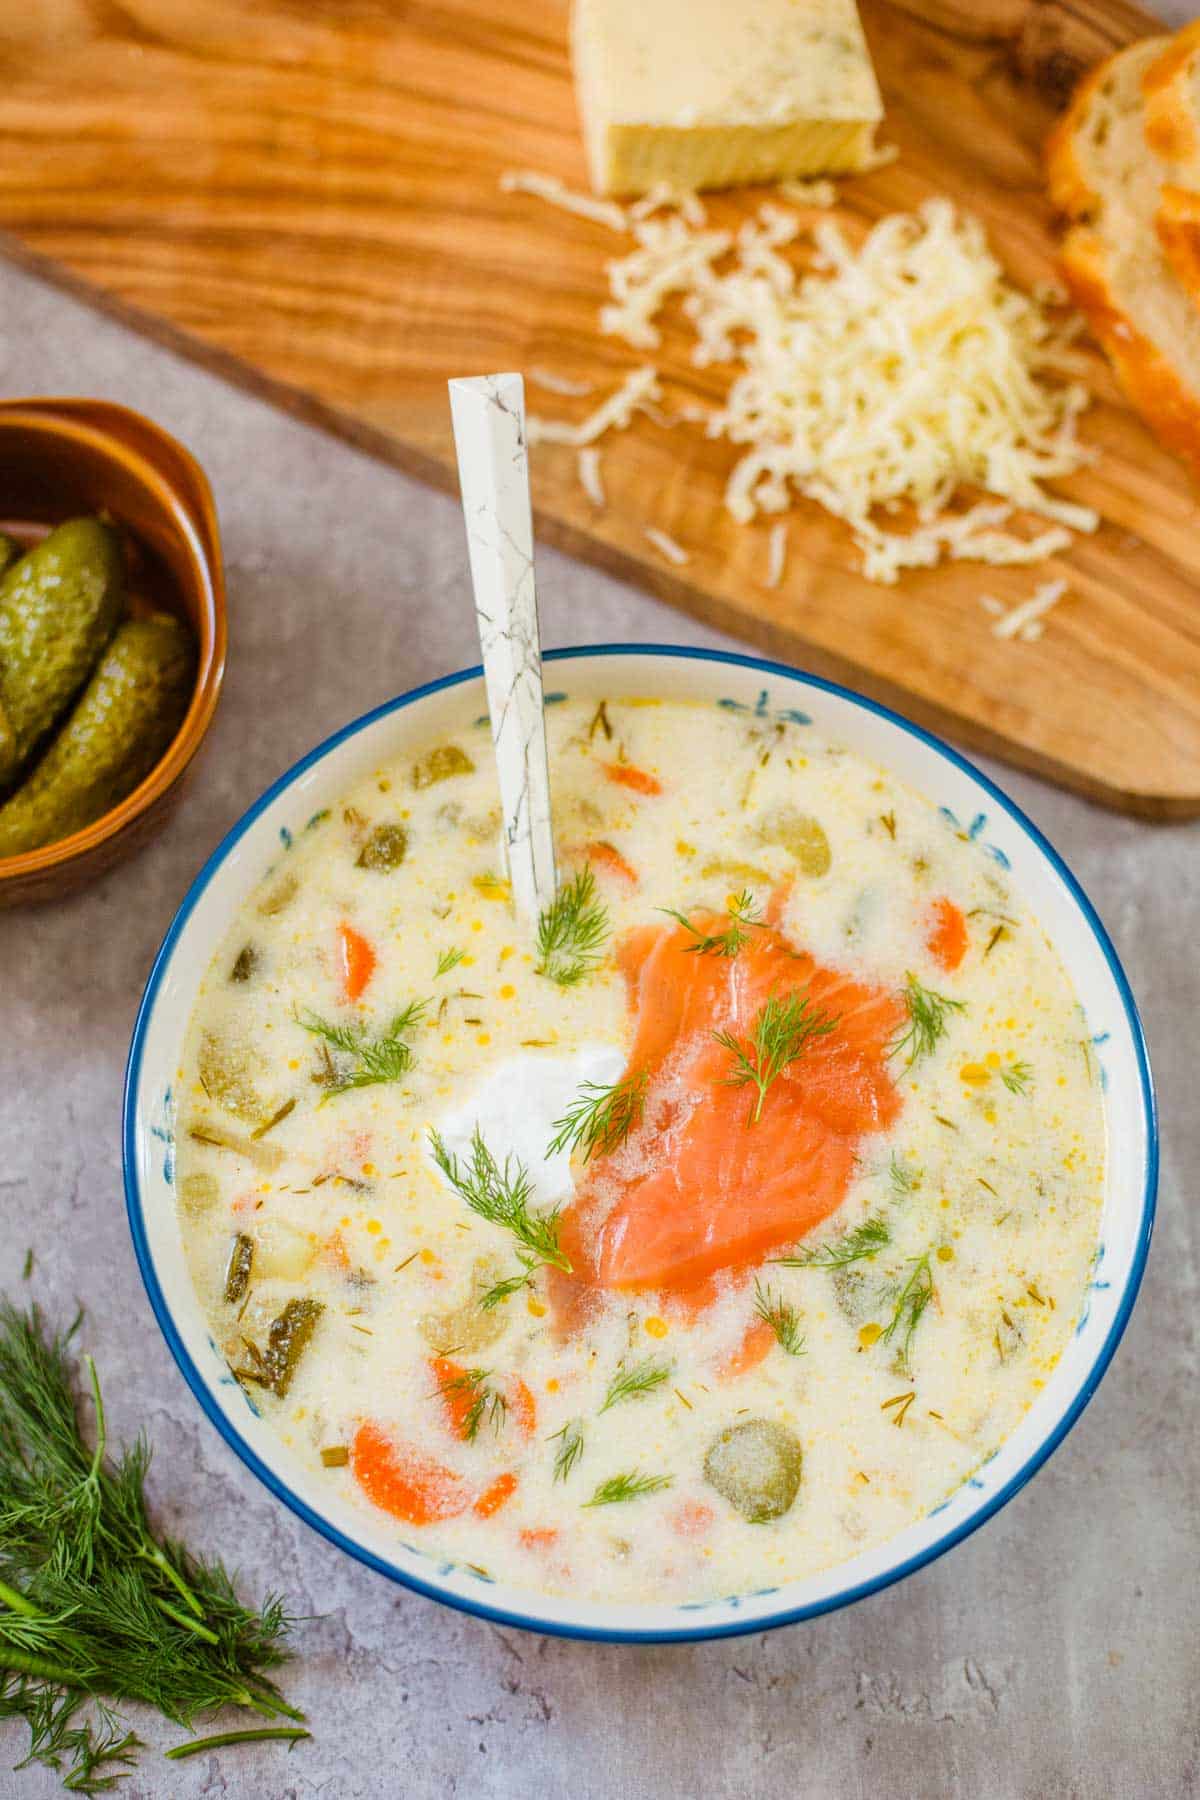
{"x": 1052, "y": 1655}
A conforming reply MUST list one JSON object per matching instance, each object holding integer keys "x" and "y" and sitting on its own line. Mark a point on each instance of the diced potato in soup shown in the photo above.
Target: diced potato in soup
{"x": 709, "y": 1239}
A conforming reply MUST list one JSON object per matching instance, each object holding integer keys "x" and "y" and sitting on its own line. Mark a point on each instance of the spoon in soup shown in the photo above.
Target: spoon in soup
{"x": 488, "y": 412}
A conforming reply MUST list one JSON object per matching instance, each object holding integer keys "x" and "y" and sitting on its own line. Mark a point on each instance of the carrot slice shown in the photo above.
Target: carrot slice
{"x": 947, "y": 940}
{"x": 538, "y": 1537}
{"x": 456, "y": 1394}
{"x": 494, "y": 1496}
{"x": 403, "y": 1481}
{"x": 357, "y": 961}
{"x": 750, "y": 1352}
{"x": 335, "y": 1255}
{"x": 630, "y": 776}
{"x": 522, "y": 1406}
{"x": 606, "y": 856}
{"x": 692, "y": 1518}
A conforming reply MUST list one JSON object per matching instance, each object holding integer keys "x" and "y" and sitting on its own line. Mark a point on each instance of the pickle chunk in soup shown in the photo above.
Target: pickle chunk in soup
{"x": 756, "y": 1466}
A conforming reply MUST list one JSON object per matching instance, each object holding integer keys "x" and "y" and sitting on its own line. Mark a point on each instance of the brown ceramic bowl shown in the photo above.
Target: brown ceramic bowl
{"x": 63, "y": 458}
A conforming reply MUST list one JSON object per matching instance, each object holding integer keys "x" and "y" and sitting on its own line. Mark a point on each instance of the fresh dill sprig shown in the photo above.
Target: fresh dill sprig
{"x": 927, "y": 1014}
{"x": 914, "y": 1297}
{"x": 630, "y": 1486}
{"x": 743, "y": 912}
{"x": 865, "y": 1240}
{"x": 501, "y": 1195}
{"x": 903, "y": 1181}
{"x": 782, "y": 1317}
{"x": 481, "y": 1400}
{"x": 366, "y": 1060}
{"x": 570, "y": 1448}
{"x": 96, "y": 1750}
{"x": 346, "y": 1038}
{"x": 781, "y": 1033}
{"x": 571, "y": 931}
{"x": 600, "y": 1118}
{"x": 1018, "y": 1077}
{"x": 449, "y": 959}
{"x": 94, "y": 1603}
{"x": 631, "y": 1384}
{"x": 512, "y": 1284}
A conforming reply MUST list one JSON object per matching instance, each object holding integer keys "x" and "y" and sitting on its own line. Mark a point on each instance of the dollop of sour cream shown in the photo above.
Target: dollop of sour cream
{"x": 517, "y": 1104}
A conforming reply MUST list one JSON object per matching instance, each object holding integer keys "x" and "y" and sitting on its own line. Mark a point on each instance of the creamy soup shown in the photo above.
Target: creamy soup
{"x": 705, "y": 1241}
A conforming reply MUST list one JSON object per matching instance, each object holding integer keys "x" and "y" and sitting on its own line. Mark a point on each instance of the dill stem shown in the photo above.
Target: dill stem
{"x": 17, "y": 1602}
{"x": 40, "y": 1668}
{"x": 267, "y": 1705}
{"x": 101, "y": 1427}
{"x": 273, "y": 1706}
{"x": 152, "y": 1554}
{"x": 188, "y": 1622}
{"x": 194, "y": 1746}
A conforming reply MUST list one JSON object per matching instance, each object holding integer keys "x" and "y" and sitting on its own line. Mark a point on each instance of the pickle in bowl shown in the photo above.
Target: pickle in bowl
{"x": 92, "y": 690}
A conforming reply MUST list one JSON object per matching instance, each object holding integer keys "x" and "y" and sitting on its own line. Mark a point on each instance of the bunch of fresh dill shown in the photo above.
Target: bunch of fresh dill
{"x": 92, "y": 1603}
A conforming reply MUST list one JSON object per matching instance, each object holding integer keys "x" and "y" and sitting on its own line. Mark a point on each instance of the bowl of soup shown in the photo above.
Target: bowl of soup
{"x": 718, "y": 1250}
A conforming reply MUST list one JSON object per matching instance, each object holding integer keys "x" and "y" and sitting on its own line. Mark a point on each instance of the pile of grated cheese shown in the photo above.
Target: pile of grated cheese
{"x": 886, "y": 382}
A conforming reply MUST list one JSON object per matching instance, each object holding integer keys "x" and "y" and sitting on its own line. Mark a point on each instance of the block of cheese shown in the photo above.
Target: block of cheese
{"x": 709, "y": 93}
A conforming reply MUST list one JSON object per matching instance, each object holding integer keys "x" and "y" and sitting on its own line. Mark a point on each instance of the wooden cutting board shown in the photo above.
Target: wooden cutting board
{"x": 304, "y": 194}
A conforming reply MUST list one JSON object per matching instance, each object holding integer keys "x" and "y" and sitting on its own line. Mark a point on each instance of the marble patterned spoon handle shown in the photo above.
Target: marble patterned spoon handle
{"x": 488, "y": 412}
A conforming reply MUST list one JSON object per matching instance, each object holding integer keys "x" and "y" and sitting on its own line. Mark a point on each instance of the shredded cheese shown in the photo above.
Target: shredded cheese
{"x": 1025, "y": 619}
{"x": 889, "y": 378}
{"x": 885, "y": 382}
{"x": 638, "y": 387}
{"x": 557, "y": 193}
{"x": 809, "y": 193}
{"x": 880, "y": 156}
{"x": 668, "y": 199}
{"x": 776, "y": 555}
{"x": 670, "y": 259}
{"x": 667, "y": 546}
{"x": 559, "y": 384}
{"x": 589, "y": 476}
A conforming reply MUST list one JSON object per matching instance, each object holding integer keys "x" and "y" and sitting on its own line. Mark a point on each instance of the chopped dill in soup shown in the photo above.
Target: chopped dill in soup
{"x": 704, "y": 1238}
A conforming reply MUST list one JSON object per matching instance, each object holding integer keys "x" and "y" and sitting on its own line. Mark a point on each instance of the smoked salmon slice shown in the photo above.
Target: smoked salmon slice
{"x": 696, "y": 1190}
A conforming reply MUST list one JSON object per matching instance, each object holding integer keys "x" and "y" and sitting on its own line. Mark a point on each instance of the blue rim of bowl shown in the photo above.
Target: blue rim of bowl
{"x": 530, "y": 1621}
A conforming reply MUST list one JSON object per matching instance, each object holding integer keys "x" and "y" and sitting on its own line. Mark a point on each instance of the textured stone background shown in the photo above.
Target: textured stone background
{"x": 1052, "y": 1655}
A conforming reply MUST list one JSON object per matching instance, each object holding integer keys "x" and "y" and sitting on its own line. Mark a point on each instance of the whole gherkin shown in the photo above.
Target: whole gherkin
{"x": 59, "y": 606}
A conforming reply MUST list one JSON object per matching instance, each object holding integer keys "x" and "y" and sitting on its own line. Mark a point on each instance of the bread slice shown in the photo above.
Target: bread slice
{"x": 1103, "y": 174}
{"x": 1171, "y": 105}
{"x": 1097, "y": 161}
{"x": 1171, "y": 96}
{"x": 1177, "y": 222}
{"x": 1148, "y": 326}
{"x": 1103, "y": 168}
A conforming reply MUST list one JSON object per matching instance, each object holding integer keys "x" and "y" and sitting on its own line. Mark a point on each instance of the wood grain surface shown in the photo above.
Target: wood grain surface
{"x": 305, "y": 195}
